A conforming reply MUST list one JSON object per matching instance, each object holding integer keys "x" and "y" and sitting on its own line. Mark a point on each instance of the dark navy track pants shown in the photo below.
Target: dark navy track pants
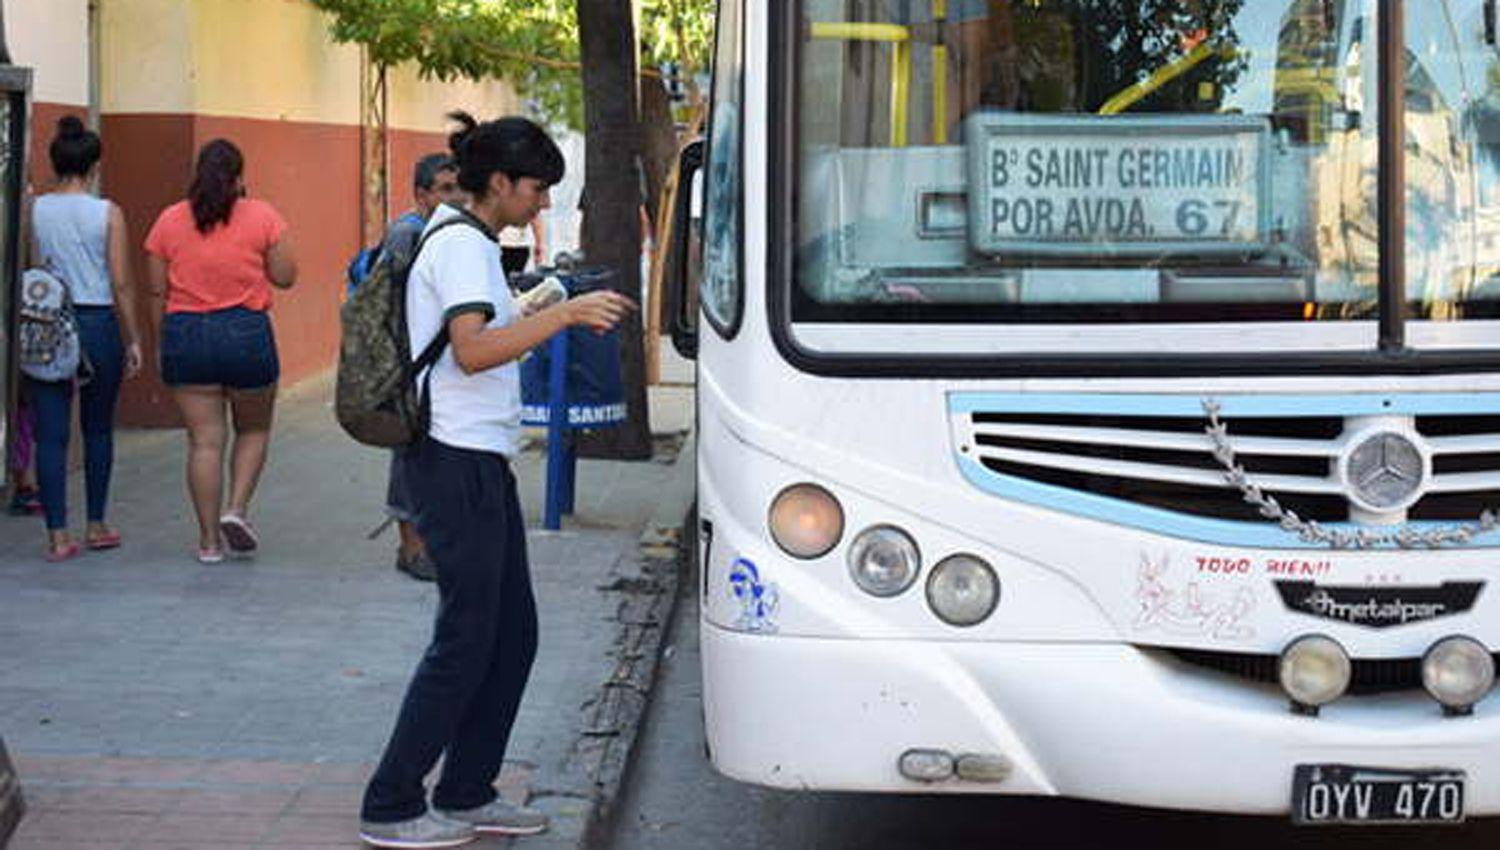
{"x": 463, "y": 698}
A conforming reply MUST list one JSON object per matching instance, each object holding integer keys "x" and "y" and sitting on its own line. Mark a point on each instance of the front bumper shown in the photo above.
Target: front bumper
{"x": 1107, "y": 722}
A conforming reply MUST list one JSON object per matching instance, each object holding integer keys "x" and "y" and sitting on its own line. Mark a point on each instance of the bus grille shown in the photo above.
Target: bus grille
{"x": 1167, "y": 462}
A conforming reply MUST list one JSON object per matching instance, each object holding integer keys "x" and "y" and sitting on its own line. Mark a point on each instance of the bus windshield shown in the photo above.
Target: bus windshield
{"x": 1146, "y": 161}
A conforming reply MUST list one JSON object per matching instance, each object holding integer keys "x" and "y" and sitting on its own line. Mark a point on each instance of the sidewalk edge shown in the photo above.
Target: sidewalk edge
{"x": 664, "y": 555}
{"x": 663, "y": 535}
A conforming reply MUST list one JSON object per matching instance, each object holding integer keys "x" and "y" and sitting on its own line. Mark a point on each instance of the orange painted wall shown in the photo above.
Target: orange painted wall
{"x": 145, "y": 168}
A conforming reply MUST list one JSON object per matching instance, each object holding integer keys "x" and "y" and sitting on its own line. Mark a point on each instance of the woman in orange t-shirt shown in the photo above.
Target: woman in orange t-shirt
{"x": 215, "y": 257}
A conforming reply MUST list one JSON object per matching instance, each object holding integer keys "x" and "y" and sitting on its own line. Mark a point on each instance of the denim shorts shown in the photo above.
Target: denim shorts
{"x": 230, "y": 348}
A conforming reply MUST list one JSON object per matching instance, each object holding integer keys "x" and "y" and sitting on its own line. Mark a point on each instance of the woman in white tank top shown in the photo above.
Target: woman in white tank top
{"x": 82, "y": 239}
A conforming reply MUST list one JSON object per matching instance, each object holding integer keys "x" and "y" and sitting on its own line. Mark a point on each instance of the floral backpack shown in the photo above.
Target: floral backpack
{"x": 48, "y": 332}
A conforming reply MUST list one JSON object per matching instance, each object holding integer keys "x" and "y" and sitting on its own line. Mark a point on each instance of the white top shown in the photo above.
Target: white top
{"x": 515, "y": 237}
{"x": 459, "y": 271}
{"x": 72, "y": 231}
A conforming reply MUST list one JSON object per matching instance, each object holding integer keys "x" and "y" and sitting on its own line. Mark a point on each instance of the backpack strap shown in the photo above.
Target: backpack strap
{"x": 463, "y": 217}
{"x": 429, "y": 356}
{"x": 434, "y": 349}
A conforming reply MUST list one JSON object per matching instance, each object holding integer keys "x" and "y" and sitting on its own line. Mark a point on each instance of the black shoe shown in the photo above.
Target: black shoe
{"x": 25, "y": 502}
{"x": 418, "y": 566}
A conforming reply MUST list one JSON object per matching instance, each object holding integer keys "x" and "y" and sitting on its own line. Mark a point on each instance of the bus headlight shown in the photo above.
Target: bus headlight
{"x": 1458, "y": 671}
{"x": 883, "y": 560}
{"x": 963, "y": 590}
{"x": 806, "y": 521}
{"x": 1314, "y": 671}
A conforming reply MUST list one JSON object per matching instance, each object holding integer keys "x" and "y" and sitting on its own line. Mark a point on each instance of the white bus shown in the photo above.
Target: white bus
{"x": 1101, "y": 399}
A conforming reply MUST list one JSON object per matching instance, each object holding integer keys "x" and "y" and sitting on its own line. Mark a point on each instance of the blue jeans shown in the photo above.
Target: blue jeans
{"x": 99, "y": 333}
{"x": 463, "y": 699}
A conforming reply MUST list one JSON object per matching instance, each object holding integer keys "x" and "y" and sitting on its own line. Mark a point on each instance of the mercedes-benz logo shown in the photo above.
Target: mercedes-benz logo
{"x": 1385, "y": 471}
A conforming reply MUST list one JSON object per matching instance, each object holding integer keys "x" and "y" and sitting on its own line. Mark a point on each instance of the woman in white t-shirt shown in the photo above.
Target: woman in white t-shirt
{"x": 463, "y": 697}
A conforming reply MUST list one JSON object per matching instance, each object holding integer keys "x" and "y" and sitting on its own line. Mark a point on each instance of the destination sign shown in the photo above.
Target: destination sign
{"x": 1094, "y": 185}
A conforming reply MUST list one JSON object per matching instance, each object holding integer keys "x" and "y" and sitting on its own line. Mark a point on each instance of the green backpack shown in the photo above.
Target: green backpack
{"x": 376, "y": 398}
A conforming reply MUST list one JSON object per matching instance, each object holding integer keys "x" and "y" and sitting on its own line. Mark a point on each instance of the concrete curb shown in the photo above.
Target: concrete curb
{"x": 648, "y": 584}
{"x": 12, "y": 804}
{"x": 663, "y": 535}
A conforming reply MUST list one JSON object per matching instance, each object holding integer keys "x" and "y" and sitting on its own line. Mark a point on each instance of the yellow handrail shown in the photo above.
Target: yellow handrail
{"x": 1163, "y": 75}
{"x": 897, "y": 35}
{"x": 900, "y": 38}
{"x": 860, "y": 32}
{"x": 900, "y": 93}
{"x": 940, "y": 78}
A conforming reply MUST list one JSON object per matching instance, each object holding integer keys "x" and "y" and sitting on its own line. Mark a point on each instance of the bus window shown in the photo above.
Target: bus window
{"x": 1091, "y": 160}
{"x": 1453, "y": 162}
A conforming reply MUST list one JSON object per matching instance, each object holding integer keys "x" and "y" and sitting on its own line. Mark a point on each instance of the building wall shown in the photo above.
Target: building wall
{"x": 51, "y": 37}
{"x": 175, "y": 74}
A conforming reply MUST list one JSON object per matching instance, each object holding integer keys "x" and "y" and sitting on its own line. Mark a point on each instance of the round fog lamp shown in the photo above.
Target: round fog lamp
{"x": 1458, "y": 672}
{"x": 806, "y": 521}
{"x": 1314, "y": 671}
{"x": 884, "y": 560}
{"x": 963, "y": 590}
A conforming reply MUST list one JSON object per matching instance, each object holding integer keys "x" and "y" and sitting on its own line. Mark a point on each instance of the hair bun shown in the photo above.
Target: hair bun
{"x": 460, "y": 137}
{"x": 70, "y": 127}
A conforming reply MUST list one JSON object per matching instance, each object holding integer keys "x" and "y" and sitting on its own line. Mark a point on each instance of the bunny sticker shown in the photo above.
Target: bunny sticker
{"x": 1187, "y": 610}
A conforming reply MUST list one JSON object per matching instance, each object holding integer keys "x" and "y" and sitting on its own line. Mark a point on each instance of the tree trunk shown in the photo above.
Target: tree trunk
{"x": 612, "y": 237}
{"x": 374, "y": 154}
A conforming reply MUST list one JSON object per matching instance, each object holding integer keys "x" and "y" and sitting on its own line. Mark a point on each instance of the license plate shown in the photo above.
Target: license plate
{"x": 1345, "y": 794}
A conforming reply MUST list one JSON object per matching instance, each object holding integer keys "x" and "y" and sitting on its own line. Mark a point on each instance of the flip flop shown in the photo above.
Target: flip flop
{"x": 101, "y": 542}
{"x": 210, "y": 556}
{"x": 57, "y": 556}
{"x": 238, "y": 533}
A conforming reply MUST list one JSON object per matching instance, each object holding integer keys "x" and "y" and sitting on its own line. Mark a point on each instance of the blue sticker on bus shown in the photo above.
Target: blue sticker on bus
{"x": 758, "y": 600}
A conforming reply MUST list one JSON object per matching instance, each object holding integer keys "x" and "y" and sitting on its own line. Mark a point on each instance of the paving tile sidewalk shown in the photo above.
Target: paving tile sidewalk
{"x": 167, "y": 804}
{"x": 151, "y": 702}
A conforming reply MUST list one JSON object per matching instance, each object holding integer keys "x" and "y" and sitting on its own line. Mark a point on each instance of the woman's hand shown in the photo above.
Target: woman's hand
{"x": 133, "y": 360}
{"x": 599, "y": 311}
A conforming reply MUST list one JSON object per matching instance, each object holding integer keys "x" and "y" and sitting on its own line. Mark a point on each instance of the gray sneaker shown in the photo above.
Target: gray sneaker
{"x": 418, "y": 566}
{"x": 429, "y": 830}
{"x": 501, "y": 817}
